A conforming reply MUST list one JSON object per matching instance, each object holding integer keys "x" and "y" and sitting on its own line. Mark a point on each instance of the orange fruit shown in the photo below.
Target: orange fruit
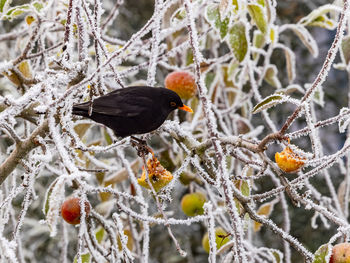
{"x": 288, "y": 161}
{"x": 183, "y": 83}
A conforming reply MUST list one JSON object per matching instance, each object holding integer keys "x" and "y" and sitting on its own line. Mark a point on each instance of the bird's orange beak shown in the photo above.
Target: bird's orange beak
{"x": 186, "y": 108}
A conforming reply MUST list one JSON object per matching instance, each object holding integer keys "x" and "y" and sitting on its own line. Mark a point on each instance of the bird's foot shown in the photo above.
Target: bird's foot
{"x": 141, "y": 146}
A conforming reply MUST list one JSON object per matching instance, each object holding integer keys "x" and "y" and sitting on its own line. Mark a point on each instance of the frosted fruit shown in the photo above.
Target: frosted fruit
{"x": 158, "y": 176}
{"x": 220, "y": 239}
{"x": 183, "y": 83}
{"x": 192, "y": 204}
{"x": 288, "y": 161}
{"x": 340, "y": 253}
{"x": 70, "y": 210}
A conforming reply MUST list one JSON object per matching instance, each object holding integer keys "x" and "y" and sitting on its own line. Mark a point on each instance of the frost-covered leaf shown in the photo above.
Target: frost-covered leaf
{"x": 273, "y": 34}
{"x": 223, "y": 7}
{"x": 237, "y": 40}
{"x": 107, "y": 137}
{"x": 339, "y": 66}
{"x": 214, "y": 18}
{"x": 178, "y": 16}
{"x": 85, "y": 258}
{"x": 345, "y": 50}
{"x": 17, "y": 10}
{"x": 319, "y": 96}
{"x": 47, "y": 197}
{"x": 243, "y": 186}
{"x": 81, "y": 129}
{"x": 269, "y": 102}
{"x": 235, "y": 4}
{"x": 258, "y": 39}
{"x": 290, "y": 63}
{"x": 4, "y": 4}
{"x": 271, "y": 77}
{"x": 319, "y": 18}
{"x": 232, "y": 69}
{"x": 278, "y": 255}
{"x": 264, "y": 210}
{"x": 306, "y": 38}
{"x": 323, "y": 22}
{"x": 341, "y": 193}
{"x": 258, "y": 15}
{"x": 321, "y": 254}
{"x": 38, "y": 6}
{"x": 291, "y": 89}
{"x": 345, "y": 121}
{"x": 99, "y": 234}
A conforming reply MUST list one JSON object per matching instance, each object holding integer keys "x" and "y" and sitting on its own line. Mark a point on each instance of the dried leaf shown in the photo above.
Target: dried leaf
{"x": 345, "y": 121}
{"x": 264, "y": 210}
{"x": 81, "y": 129}
{"x": 345, "y": 50}
{"x": 306, "y": 38}
{"x": 290, "y": 63}
{"x": 271, "y": 77}
{"x": 47, "y": 197}
{"x": 341, "y": 193}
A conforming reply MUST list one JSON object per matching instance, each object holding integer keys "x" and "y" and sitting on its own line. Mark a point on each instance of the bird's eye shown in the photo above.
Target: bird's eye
{"x": 172, "y": 104}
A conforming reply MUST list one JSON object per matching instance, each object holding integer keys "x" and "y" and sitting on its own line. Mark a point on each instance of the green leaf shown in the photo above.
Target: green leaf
{"x": 100, "y": 232}
{"x": 321, "y": 254}
{"x": 108, "y": 138}
{"x": 319, "y": 96}
{"x": 235, "y": 4}
{"x": 245, "y": 190}
{"x": 257, "y": 13}
{"x": 277, "y": 255}
{"x": 258, "y": 42}
{"x": 3, "y": 3}
{"x": 38, "y": 6}
{"x": 269, "y": 102}
{"x": 85, "y": 258}
{"x": 214, "y": 18}
{"x": 47, "y": 197}
{"x": 17, "y": 10}
{"x": 323, "y": 22}
{"x": 319, "y": 18}
{"x": 178, "y": 16}
{"x": 237, "y": 40}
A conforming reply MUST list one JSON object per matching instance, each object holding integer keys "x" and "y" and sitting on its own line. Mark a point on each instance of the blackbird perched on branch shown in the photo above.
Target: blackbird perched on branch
{"x": 132, "y": 110}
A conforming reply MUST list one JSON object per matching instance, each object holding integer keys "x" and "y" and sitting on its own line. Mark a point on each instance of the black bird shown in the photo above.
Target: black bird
{"x": 132, "y": 110}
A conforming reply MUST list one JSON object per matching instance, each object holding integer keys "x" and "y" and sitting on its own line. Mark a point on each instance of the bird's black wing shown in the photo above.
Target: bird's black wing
{"x": 118, "y": 103}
